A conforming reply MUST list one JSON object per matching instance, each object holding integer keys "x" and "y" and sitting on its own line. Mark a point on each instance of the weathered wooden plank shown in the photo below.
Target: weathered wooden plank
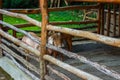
{"x": 21, "y": 59}
{"x": 13, "y": 70}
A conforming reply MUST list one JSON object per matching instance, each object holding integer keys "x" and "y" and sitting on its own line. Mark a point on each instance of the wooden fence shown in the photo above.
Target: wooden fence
{"x": 42, "y": 57}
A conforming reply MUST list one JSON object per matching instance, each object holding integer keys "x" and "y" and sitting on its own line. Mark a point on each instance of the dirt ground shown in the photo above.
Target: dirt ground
{"x": 94, "y": 51}
{"x": 4, "y": 75}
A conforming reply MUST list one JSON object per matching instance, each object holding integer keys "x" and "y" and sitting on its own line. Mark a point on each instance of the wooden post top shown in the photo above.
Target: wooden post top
{"x": 99, "y": 1}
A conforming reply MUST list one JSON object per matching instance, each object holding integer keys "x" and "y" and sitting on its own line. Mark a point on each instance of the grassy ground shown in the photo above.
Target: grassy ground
{"x": 53, "y": 16}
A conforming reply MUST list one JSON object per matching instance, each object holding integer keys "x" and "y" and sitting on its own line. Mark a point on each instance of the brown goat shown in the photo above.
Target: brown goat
{"x": 56, "y": 39}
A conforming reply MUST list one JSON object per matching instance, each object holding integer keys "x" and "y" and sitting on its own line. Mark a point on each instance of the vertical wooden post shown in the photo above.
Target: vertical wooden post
{"x": 14, "y": 34}
{"x": 119, "y": 22}
{"x": 102, "y": 19}
{"x": 108, "y": 20}
{"x": 44, "y": 12}
{"x": 114, "y": 18}
{"x": 99, "y": 19}
{"x": 1, "y": 18}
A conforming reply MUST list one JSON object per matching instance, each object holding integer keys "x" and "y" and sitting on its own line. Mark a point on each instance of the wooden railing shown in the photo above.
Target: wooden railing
{"x": 36, "y": 54}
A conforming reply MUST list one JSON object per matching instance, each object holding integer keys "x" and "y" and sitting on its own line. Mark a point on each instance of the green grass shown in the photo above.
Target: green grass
{"x": 53, "y": 17}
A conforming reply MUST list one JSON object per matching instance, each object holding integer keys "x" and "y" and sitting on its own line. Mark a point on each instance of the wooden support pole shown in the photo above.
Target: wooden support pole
{"x": 14, "y": 34}
{"x": 102, "y": 19}
{"x": 119, "y": 22}
{"x": 1, "y": 18}
{"x": 44, "y": 12}
{"x": 99, "y": 19}
{"x": 114, "y": 19}
{"x": 108, "y": 20}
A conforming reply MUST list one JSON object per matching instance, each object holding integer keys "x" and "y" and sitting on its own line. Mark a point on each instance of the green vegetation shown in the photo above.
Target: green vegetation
{"x": 53, "y": 17}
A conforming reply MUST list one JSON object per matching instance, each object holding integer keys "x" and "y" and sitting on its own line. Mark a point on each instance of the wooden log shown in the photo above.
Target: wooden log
{"x": 98, "y": 1}
{"x": 26, "y": 63}
{"x": 81, "y": 22}
{"x": 119, "y": 22}
{"x": 20, "y": 50}
{"x": 101, "y": 68}
{"x": 20, "y": 26}
{"x": 99, "y": 19}
{"x": 22, "y": 16}
{"x": 108, "y": 20}
{"x": 37, "y": 10}
{"x": 102, "y": 19}
{"x": 114, "y": 19}
{"x": 73, "y": 8}
{"x": 21, "y": 67}
{"x": 84, "y": 34}
{"x": 18, "y": 42}
{"x": 63, "y": 76}
{"x": 79, "y": 73}
{"x": 25, "y": 11}
{"x": 44, "y": 11}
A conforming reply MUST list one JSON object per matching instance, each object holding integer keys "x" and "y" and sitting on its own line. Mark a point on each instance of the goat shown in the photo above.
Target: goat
{"x": 56, "y": 39}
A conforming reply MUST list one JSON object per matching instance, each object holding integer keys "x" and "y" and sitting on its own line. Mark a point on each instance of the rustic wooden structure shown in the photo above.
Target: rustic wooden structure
{"x": 103, "y": 35}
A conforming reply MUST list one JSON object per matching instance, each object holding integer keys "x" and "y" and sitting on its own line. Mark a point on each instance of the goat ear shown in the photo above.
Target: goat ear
{"x": 50, "y": 33}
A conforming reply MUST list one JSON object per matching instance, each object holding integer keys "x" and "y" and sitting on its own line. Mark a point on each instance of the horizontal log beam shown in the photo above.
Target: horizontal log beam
{"x": 20, "y": 43}
{"x": 72, "y": 22}
{"x": 86, "y": 34}
{"x": 73, "y": 8}
{"x": 22, "y": 16}
{"x": 79, "y": 73}
{"x": 20, "y": 26}
{"x": 98, "y": 1}
{"x": 101, "y": 68}
{"x": 19, "y": 49}
{"x": 35, "y": 11}
{"x": 79, "y": 33}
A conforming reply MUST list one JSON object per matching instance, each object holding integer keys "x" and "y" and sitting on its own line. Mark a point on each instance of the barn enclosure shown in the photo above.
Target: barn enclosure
{"x": 97, "y": 21}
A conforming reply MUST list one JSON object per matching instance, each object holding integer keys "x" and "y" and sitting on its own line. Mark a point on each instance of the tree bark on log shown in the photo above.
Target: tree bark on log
{"x": 78, "y": 72}
{"x": 20, "y": 50}
{"x": 101, "y": 68}
{"x": 78, "y": 33}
